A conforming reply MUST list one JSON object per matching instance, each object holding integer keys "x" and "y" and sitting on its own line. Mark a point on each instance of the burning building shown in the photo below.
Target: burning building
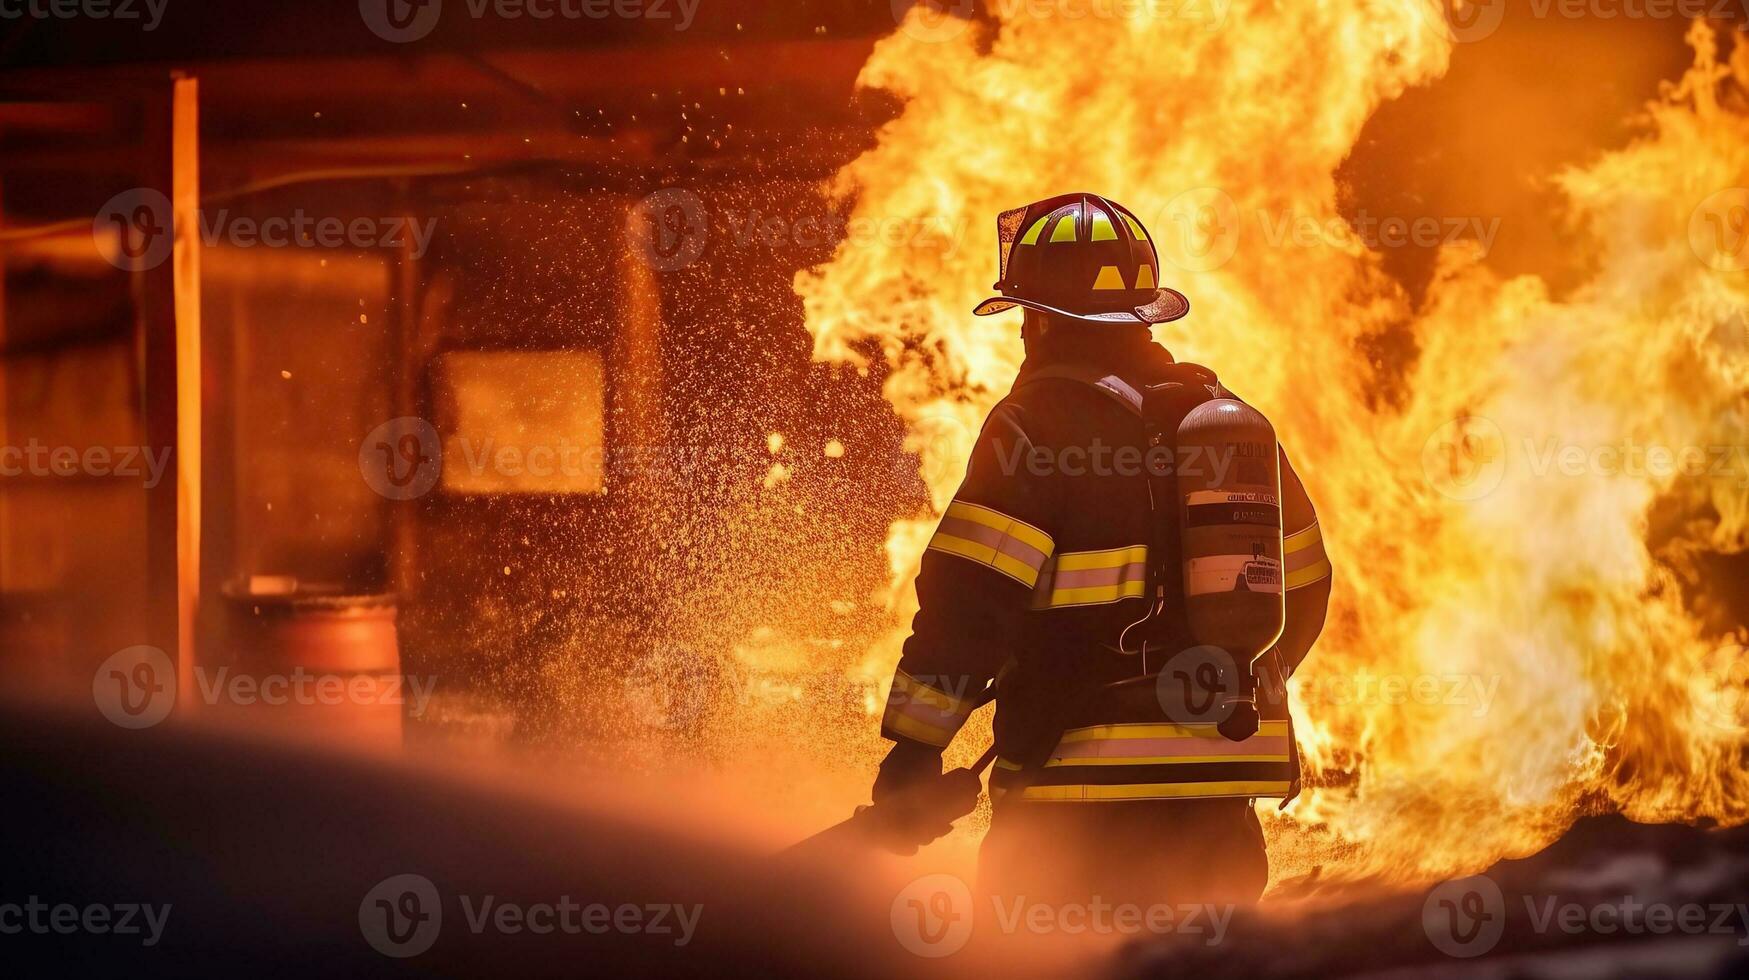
{"x": 606, "y": 370}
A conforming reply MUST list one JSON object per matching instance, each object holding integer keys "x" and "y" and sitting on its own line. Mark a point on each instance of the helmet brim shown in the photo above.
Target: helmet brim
{"x": 1166, "y": 306}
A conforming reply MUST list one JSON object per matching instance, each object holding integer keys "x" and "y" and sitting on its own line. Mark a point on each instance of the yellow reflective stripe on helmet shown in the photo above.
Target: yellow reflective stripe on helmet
{"x": 1303, "y": 557}
{"x": 1031, "y": 236}
{"x": 1145, "y": 278}
{"x": 1065, "y": 229}
{"x": 1109, "y": 278}
{"x": 1156, "y": 791}
{"x": 1134, "y": 226}
{"x": 1085, "y": 578}
{"x": 989, "y": 537}
{"x": 1102, "y": 228}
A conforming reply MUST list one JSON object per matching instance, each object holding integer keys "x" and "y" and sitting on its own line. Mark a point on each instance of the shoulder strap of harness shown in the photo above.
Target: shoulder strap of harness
{"x": 1104, "y": 382}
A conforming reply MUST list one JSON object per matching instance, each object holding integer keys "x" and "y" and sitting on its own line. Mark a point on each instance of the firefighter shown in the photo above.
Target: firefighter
{"x": 1057, "y": 575}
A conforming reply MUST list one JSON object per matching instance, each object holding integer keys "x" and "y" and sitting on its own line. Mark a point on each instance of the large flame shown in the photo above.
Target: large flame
{"x": 1510, "y": 641}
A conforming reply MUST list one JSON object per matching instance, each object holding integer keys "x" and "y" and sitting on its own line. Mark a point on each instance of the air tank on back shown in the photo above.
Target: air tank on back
{"x": 1229, "y": 487}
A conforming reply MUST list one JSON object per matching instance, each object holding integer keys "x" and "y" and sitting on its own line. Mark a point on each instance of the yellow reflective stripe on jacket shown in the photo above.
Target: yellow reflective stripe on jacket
{"x": 1146, "y": 761}
{"x": 924, "y": 712}
{"x": 1157, "y": 791}
{"x": 989, "y": 537}
{"x": 1167, "y": 744}
{"x": 1087, "y": 578}
{"x": 1096, "y": 733}
{"x": 1303, "y": 558}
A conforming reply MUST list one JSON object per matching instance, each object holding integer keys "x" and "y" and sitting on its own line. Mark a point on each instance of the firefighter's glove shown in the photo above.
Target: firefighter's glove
{"x": 916, "y": 802}
{"x": 909, "y": 764}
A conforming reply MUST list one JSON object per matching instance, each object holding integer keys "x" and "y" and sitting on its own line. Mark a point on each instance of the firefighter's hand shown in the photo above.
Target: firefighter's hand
{"x": 958, "y": 792}
{"x": 925, "y": 811}
{"x": 909, "y": 765}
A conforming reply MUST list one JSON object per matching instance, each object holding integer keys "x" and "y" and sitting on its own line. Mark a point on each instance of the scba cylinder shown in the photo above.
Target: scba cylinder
{"x": 1229, "y": 486}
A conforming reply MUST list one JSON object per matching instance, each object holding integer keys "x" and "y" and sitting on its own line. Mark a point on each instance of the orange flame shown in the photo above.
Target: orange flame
{"x": 1509, "y": 643}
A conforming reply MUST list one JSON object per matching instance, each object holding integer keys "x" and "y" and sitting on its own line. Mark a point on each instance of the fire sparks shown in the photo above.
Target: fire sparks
{"x": 1517, "y": 632}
